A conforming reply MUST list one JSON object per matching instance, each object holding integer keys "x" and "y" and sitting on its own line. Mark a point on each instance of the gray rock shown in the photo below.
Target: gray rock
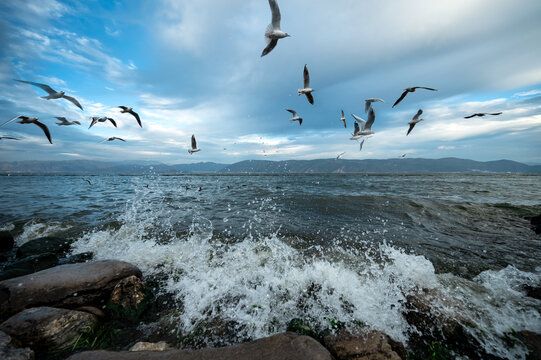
{"x": 92, "y": 310}
{"x": 29, "y": 265}
{"x": 6, "y": 241}
{"x": 77, "y": 258}
{"x": 42, "y": 245}
{"x": 128, "y": 293}
{"x": 9, "y": 349}
{"x": 71, "y": 285}
{"x": 46, "y": 328}
{"x": 284, "y": 346}
{"x": 148, "y": 346}
{"x": 373, "y": 345}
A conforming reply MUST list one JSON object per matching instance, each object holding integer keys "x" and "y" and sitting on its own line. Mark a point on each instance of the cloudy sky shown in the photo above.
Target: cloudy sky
{"x": 194, "y": 67}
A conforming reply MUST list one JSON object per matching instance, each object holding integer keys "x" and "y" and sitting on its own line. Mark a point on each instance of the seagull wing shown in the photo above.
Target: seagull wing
{"x": 412, "y": 125}
{"x": 367, "y": 105}
{"x": 9, "y": 138}
{"x": 426, "y": 88}
{"x": 310, "y": 98}
{"x": 416, "y": 116}
{"x": 10, "y": 120}
{"x": 362, "y": 143}
{"x": 401, "y": 98}
{"x": 498, "y": 113}
{"x": 117, "y": 138}
{"x": 112, "y": 121}
{"x": 306, "y": 76}
{"x": 94, "y": 121}
{"x": 73, "y": 100}
{"x": 470, "y": 116}
{"x": 136, "y": 115}
{"x": 371, "y": 118}
{"x": 360, "y": 121}
{"x": 292, "y": 111}
{"x": 45, "y": 130}
{"x": 300, "y": 121}
{"x": 342, "y": 111}
{"x": 276, "y": 17}
{"x": 42, "y": 86}
{"x": 270, "y": 46}
{"x": 61, "y": 118}
{"x": 356, "y": 128}
{"x": 122, "y": 107}
{"x": 194, "y": 143}
{"x": 76, "y": 122}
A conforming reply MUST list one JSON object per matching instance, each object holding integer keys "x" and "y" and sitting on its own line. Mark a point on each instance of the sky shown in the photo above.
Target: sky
{"x": 194, "y": 67}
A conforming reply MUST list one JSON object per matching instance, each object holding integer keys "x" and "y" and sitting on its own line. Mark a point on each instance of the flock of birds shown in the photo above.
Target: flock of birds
{"x": 362, "y": 129}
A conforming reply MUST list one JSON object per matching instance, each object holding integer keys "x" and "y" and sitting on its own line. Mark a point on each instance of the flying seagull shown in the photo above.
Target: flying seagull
{"x": 414, "y": 121}
{"x": 88, "y": 181}
{"x": 96, "y": 119}
{"x": 130, "y": 111}
{"x": 31, "y": 120}
{"x": 366, "y": 126}
{"x": 403, "y": 155}
{"x": 307, "y": 90}
{"x": 481, "y": 115}
{"x": 343, "y": 119}
{"x": 8, "y": 138}
{"x": 273, "y": 32}
{"x": 64, "y": 121}
{"x": 295, "y": 116}
{"x": 411, "y": 89}
{"x": 368, "y": 103}
{"x": 340, "y": 155}
{"x": 112, "y": 139}
{"x": 53, "y": 94}
{"x": 194, "y": 146}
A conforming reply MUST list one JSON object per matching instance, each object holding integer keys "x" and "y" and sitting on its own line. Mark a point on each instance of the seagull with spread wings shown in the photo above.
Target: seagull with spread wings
{"x": 113, "y": 138}
{"x": 414, "y": 121}
{"x": 65, "y": 122}
{"x": 53, "y": 94}
{"x": 9, "y": 138}
{"x": 31, "y": 120}
{"x": 343, "y": 118}
{"x": 273, "y": 32}
{"x": 481, "y": 115}
{"x": 411, "y": 90}
{"x": 194, "y": 146}
{"x": 295, "y": 116}
{"x": 307, "y": 90}
{"x": 365, "y": 126}
{"x": 97, "y": 119}
{"x": 129, "y": 110}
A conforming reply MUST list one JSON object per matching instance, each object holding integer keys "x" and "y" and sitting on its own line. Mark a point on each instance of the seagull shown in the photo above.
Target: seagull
{"x": 64, "y": 121}
{"x": 273, "y": 32}
{"x": 295, "y": 116}
{"x": 307, "y": 90}
{"x": 340, "y": 155}
{"x": 88, "y": 181}
{"x": 366, "y": 126}
{"x": 403, "y": 155}
{"x": 96, "y": 119}
{"x": 343, "y": 119}
{"x": 414, "y": 121}
{"x": 112, "y": 139}
{"x": 411, "y": 89}
{"x": 31, "y": 120}
{"x": 368, "y": 103}
{"x": 481, "y": 115}
{"x": 130, "y": 111}
{"x": 194, "y": 146}
{"x": 53, "y": 94}
{"x": 8, "y": 138}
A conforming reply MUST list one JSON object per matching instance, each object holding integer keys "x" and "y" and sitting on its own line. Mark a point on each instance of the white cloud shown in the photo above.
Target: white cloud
{"x": 529, "y": 93}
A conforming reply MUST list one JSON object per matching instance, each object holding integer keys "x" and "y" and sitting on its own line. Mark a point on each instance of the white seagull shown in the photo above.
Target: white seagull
{"x": 366, "y": 126}
{"x": 295, "y": 116}
{"x": 53, "y": 94}
{"x": 64, "y": 121}
{"x": 307, "y": 90}
{"x": 273, "y": 32}
{"x": 31, "y": 120}
{"x": 411, "y": 89}
{"x": 481, "y": 115}
{"x": 414, "y": 121}
{"x": 129, "y": 110}
{"x": 340, "y": 155}
{"x": 97, "y": 119}
{"x": 112, "y": 139}
{"x": 368, "y": 103}
{"x": 343, "y": 119}
{"x": 194, "y": 146}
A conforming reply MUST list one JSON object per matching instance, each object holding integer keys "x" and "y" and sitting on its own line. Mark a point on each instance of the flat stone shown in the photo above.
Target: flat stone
{"x": 48, "y": 328}
{"x": 148, "y": 346}
{"x": 283, "y": 346}
{"x": 29, "y": 265}
{"x": 9, "y": 349}
{"x": 47, "y": 244}
{"x": 92, "y": 310}
{"x": 71, "y": 285}
{"x": 373, "y": 345}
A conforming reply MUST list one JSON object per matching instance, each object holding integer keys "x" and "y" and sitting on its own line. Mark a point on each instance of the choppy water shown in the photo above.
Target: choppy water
{"x": 258, "y": 251}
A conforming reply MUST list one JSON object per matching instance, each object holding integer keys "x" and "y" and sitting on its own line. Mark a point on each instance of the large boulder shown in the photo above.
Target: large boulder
{"x": 284, "y": 346}
{"x": 71, "y": 286}
{"x": 47, "y": 244}
{"x": 47, "y": 328}
{"x": 29, "y": 265}
{"x": 128, "y": 293}
{"x": 373, "y": 345}
{"x": 9, "y": 349}
{"x": 6, "y": 241}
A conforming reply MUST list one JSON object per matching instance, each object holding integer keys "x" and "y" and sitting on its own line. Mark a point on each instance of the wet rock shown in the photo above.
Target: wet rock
{"x": 535, "y": 221}
{"x": 373, "y": 345}
{"x": 48, "y": 244}
{"x": 77, "y": 258}
{"x": 29, "y": 265}
{"x": 6, "y": 241}
{"x": 533, "y": 291}
{"x": 128, "y": 293}
{"x": 277, "y": 347}
{"x": 92, "y": 310}
{"x": 45, "y": 328}
{"x": 532, "y": 341}
{"x": 71, "y": 285}
{"x": 10, "y": 350}
{"x": 148, "y": 346}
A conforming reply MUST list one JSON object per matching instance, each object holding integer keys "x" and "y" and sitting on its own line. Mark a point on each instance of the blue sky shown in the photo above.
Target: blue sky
{"x": 194, "y": 67}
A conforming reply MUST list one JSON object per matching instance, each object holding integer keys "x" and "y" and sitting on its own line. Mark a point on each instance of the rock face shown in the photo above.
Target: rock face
{"x": 6, "y": 241}
{"x": 48, "y": 244}
{"x": 284, "y": 346}
{"x": 48, "y": 328}
{"x": 128, "y": 293}
{"x": 29, "y": 265}
{"x": 70, "y": 285}
{"x": 10, "y": 351}
{"x": 148, "y": 346}
{"x": 536, "y": 223}
{"x": 374, "y": 345}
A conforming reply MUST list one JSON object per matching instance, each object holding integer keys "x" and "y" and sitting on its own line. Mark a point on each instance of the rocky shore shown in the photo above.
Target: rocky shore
{"x": 58, "y": 305}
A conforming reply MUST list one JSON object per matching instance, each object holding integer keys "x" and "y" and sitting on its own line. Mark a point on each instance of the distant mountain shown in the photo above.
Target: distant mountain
{"x": 381, "y": 166}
